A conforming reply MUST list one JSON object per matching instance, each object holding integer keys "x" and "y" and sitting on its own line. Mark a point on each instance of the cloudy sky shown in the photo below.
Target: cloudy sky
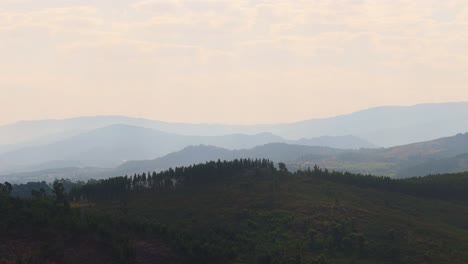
{"x": 235, "y": 61}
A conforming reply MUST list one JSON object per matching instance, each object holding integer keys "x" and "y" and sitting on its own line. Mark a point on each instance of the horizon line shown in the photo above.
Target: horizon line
{"x": 224, "y": 124}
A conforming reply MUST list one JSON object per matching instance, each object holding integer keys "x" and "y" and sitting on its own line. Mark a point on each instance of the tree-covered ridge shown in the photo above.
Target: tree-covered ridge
{"x": 450, "y": 186}
{"x": 244, "y": 211}
{"x": 195, "y": 174}
{"x": 441, "y": 186}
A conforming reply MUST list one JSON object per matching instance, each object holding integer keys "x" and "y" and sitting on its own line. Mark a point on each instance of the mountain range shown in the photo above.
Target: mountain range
{"x": 112, "y": 145}
{"x": 118, "y": 144}
{"x": 442, "y": 155}
{"x": 382, "y": 126}
{"x": 417, "y": 159}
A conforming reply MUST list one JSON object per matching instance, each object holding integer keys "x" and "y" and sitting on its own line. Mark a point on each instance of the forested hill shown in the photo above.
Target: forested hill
{"x": 440, "y": 186}
{"x": 202, "y": 153}
{"x": 240, "y": 211}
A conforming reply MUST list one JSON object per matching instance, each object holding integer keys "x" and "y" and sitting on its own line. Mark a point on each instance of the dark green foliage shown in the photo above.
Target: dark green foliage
{"x": 47, "y": 224}
{"x": 210, "y": 172}
{"x": 282, "y": 167}
{"x": 441, "y": 186}
{"x": 5, "y": 189}
{"x": 246, "y": 211}
{"x": 25, "y": 190}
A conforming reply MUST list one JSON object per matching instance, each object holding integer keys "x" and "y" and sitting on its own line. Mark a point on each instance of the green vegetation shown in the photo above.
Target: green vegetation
{"x": 246, "y": 211}
{"x": 44, "y": 229}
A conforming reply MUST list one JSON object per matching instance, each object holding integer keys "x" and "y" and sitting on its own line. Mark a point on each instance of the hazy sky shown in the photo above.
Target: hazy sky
{"x": 233, "y": 61}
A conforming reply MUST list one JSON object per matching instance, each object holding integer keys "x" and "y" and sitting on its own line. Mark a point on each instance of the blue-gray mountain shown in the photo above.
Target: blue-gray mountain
{"x": 90, "y": 142}
{"x": 401, "y": 161}
{"x": 112, "y": 145}
{"x": 442, "y": 155}
{"x": 382, "y": 126}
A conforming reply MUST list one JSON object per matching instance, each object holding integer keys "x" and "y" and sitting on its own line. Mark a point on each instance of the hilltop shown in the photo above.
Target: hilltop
{"x": 247, "y": 211}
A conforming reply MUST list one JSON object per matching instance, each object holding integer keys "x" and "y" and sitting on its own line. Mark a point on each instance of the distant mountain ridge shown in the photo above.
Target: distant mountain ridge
{"x": 447, "y": 154}
{"x": 383, "y": 126}
{"x": 112, "y": 145}
{"x": 396, "y": 161}
{"x": 202, "y": 153}
{"x": 339, "y": 142}
{"x": 455, "y": 164}
{"x": 109, "y": 141}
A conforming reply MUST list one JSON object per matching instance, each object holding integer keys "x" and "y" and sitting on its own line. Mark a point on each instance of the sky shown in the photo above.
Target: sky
{"x": 228, "y": 61}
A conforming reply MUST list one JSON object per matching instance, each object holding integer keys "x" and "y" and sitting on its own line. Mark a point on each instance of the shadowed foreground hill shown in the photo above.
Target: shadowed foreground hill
{"x": 244, "y": 211}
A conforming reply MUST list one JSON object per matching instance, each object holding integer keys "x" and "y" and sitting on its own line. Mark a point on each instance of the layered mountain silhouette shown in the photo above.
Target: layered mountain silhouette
{"x": 129, "y": 145}
{"x": 382, "y": 126}
{"x": 447, "y": 154}
{"x": 199, "y": 154}
{"x": 112, "y": 145}
{"x": 401, "y": 161}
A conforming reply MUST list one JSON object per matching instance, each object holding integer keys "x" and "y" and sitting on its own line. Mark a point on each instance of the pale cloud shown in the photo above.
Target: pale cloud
{"x": 219, "y": 58}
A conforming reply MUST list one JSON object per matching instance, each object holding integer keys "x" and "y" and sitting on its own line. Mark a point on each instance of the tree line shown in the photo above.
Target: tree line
{"x": 441, "y": 186}
{"x": 448, "y": 186}
{"x": 209, "y": 172}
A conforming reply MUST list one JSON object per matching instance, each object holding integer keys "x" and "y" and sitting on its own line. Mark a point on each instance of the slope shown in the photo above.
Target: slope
{"x": 240, "y": 212}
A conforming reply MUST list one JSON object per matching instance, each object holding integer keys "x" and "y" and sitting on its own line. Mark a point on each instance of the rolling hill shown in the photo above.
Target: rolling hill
{"x": 112, "y": 145}
{"x": 239, "y": 211}
{"x": 202, "y": 153}
{"x": 395, "y": 161}
{"x": 338, "y": 142}
{"x": 458, "y": 163}
{"x": 435, "y": 156}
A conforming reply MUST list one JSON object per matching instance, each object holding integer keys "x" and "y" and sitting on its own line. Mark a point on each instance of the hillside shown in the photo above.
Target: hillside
{"x": 338, "y": 142}
{"x": 198, "y": 154}
{"x": 246, "y": 211}
{"x": 396, "y": 161}
{"x": 417, "y": 159}
{"x": 436, "y": 166}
